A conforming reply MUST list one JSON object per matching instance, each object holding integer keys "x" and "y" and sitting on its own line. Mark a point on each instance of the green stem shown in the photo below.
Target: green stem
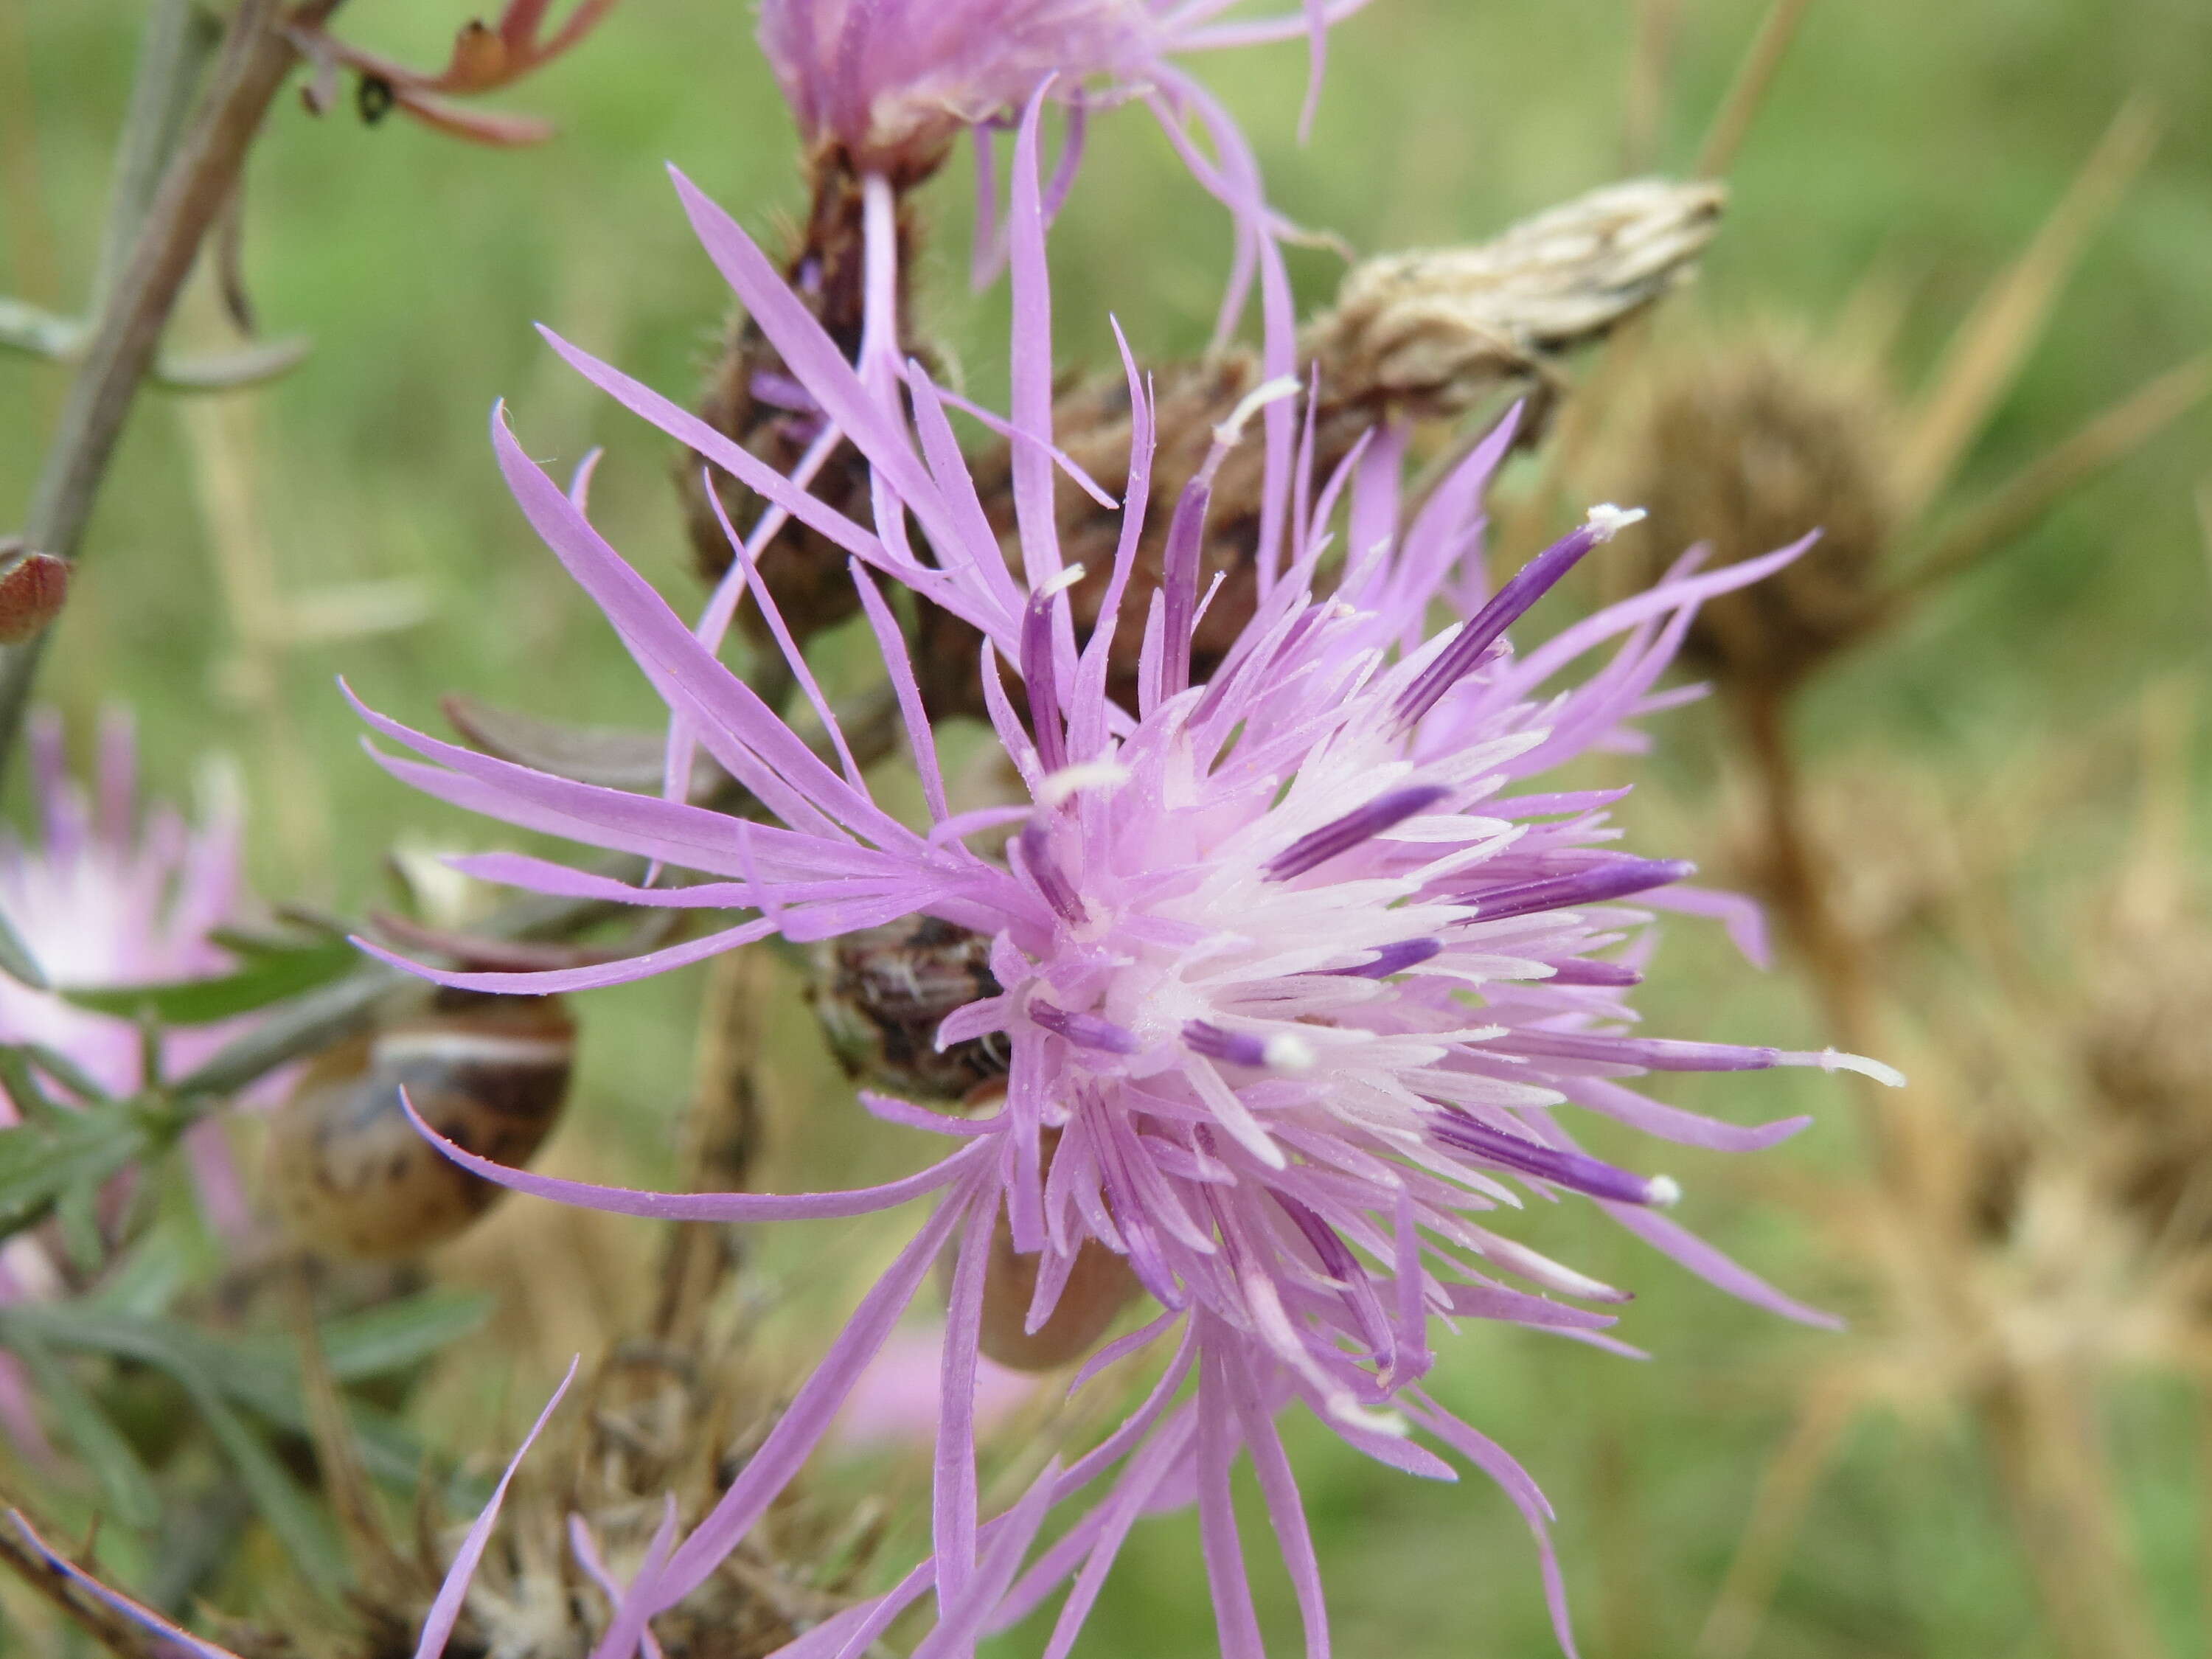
{"x": 179, "y": 36}
{"x": 257, "y": 59}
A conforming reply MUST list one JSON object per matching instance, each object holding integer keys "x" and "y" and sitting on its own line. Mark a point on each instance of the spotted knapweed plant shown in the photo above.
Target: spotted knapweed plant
{"x": 1305, "y": 970}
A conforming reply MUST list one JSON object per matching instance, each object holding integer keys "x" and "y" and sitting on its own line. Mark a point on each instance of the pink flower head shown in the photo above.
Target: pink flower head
{"x": 103, "y": 895}
{"x": 898, "y": 1398}
{"x": 107, "y": 895}
{"x": 1304, "y": 970}
{"x": 892, "y": 82}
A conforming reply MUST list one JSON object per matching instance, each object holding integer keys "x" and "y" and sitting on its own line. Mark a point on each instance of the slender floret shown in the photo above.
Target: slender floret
{"x": 1302, "y": 971}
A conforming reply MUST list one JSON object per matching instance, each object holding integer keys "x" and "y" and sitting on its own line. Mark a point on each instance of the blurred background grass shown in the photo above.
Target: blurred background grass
{"x": 1929, "y": 140}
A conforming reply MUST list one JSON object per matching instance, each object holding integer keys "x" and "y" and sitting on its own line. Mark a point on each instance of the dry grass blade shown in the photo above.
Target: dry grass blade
{"x": 1749, "y": 89}
{"x": 2058, "y": 1477}
{"x": 1644, "y": 99}
{"x": 1987, "y": 351}
{"x": 722, "y": 1136}
{"x": 2016, "y": 504}
{"x": 1785, "y": 1493}
{"x": 2204, "y": 525}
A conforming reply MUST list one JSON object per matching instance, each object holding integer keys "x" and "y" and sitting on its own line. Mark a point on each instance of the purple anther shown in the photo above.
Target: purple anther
{"x": 1390, "y": 959}
{"x": 1179, "y": 580}
{"x": 1349, "y": 831}
{"x": 1616, "y": 879}
{"x": 1085, "y": 1030}
{"x": 1522, "y": 589}
{"x": 1284, "y": 1051}
{"x": 1239, "y": 1048}
{"x": 1044, "y": 870}
{"x": 1038, "y": 679}
{"x": 1652, "y": 1054}
{"x": 1586, "y": 971}
{"x": 1562, "y": 1167}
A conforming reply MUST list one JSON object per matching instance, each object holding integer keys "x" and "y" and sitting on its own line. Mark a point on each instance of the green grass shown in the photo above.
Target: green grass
{"x": 1929, "y": 138}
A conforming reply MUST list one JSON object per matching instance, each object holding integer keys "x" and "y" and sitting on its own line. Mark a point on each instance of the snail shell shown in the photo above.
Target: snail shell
{"x": 1098, "y": 1287}
{"x": 881, "y": 993}
{"x": 348, "y": 1172}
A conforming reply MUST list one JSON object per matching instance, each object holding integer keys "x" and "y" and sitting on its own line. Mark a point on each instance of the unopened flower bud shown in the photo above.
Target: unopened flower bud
{"x": 32, "y": 588}
{"x": 881, "y": 994}
{"x": 751, "y": 397}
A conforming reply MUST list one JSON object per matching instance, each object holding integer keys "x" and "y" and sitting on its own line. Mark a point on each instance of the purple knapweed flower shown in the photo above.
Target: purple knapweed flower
{"x": 1302, "y": 969}
{"x": 895, "y": 1405}
{"x": 105, "y": 894}
{"x": 892, "y": 84}
{"x": 109, "y": 893}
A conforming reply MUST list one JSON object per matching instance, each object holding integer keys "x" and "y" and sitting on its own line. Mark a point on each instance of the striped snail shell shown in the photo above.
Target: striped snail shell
{"x": 349, "y": 1174}
{"x": 881, "y": 993}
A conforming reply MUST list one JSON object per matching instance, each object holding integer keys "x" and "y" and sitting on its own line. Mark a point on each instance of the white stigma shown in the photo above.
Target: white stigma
{"x": 1662, "y": 1192}
{"x": 1834, "y": 1060}
{"x": 1287, "y": 1051}
{"x": 1606, "y": 520}
{"x": 1059, "y": 583}
{"x": 1056, "y": 787}
{"x": 1231, "y": 431}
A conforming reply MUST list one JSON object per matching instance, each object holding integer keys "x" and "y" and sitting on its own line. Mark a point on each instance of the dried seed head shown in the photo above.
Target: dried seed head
{"x": 1436, "y": 333}
{"x": 658, "y": 1424}
{"x": 1747, "y": 448}
{"x": 2146, "y": 1050}
{"x": 881, "y": 995}
{"x": 1429, "y": 336}
{"x": 1091, "y": 420}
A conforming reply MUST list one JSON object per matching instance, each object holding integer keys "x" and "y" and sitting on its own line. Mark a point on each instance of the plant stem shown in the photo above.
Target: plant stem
{"x": 200, "y": 177}
{"x": 179, "y": 35}
{"x": 1797, "y": 882}
{"x": 2042, "y": 1425}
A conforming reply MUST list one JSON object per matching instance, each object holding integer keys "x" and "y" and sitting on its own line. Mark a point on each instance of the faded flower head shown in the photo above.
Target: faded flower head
{"x": 1303, "y": 969}
{"x": 1741, "y": 443}
{"x": 109, "y": 893}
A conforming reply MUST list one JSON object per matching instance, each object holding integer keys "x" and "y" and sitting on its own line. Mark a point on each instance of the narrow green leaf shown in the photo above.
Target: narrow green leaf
{"x": 268, "y": 978}
{"x": 304, "y": 1532}
{"x": 64, "y": 1071}
{"x": 265, "y": 1380}
{"x": 223, "y": 371}
{"x": 76, "y": 1208}
{"x": 42, "y": 1159}
{"x": 401, "y": 1333}
{"x": 16, "y": 960}
{"x": 122, "y": 1477}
